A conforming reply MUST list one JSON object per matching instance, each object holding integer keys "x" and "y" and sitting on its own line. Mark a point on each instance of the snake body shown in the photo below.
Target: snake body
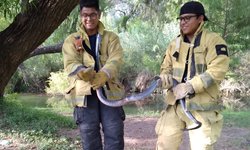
{"x": 139, "y": 96}
{"x": 131, "y": 98}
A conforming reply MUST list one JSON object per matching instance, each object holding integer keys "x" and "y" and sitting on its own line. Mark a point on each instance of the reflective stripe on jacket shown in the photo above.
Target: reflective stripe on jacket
{"x": 209, "y": 54}
{"x": 110, "y": 58}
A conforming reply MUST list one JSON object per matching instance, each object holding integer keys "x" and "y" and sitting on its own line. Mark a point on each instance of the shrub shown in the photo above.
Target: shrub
{"x": 235, "y": 89}
{"x": 57, "y": 82}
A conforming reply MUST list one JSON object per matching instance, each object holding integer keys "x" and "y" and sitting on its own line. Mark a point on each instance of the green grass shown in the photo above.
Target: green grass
{"x": 35, "y": 126}
{"x": 239, "y": 119}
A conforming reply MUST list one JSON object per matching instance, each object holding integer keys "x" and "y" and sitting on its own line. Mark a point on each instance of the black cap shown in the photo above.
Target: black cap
{"x": 193, "y": 7}
{"x": 89, "y": 3}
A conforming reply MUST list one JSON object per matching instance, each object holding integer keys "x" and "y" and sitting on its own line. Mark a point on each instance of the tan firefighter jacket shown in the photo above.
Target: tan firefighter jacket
{"x": 208, "y": 63}
{"x": 110, "y": 60}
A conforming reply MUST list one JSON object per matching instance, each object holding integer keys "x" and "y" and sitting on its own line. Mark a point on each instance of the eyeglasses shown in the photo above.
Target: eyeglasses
{"x": 91, "y": 16}
{"x": 186, "y": 18}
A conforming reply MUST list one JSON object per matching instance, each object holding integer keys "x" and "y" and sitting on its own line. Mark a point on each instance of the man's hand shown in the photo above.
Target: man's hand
{"x": 182, "y": 90}
{"x": 99, "y": 80}
{"x": 87, "y": 74}
{"x": 166, "y": 81}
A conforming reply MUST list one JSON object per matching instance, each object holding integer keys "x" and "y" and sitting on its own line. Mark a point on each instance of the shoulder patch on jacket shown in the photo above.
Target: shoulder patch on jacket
{"x": 221, "y": 49}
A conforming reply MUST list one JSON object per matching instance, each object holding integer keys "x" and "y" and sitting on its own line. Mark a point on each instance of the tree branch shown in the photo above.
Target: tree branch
{"x": 57, "y": 48}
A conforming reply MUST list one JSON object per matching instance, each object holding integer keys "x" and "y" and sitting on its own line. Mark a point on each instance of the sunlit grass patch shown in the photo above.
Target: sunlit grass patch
{"x": 35, "y": 126}
{"x": 237, "y": 118}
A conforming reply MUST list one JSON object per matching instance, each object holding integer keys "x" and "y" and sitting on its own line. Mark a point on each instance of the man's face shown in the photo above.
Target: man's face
{"x": 90, "y": 18}
{"x": 189, "y": 23}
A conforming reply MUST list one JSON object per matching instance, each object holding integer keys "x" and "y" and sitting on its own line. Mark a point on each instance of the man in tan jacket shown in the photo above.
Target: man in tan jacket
{"x": 100, "y": 53}
{"x": 198, "y": 60}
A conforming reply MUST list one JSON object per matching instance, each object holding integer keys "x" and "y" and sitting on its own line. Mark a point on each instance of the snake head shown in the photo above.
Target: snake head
{"x": 77, "y": 70}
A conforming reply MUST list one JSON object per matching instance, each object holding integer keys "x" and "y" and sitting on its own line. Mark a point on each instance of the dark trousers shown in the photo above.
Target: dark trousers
{"x": 89, "y": 119}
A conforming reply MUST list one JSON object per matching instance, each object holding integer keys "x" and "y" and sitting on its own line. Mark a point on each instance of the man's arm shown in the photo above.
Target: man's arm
{"x": 115, "y": 57}
{"x": 71, "y": 57}
{"x": 217, "y": 65}
{"x": 166, "y": 70}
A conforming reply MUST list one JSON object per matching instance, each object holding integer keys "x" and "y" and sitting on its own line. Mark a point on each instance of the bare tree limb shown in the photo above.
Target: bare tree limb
{"x": 57, "y": 48}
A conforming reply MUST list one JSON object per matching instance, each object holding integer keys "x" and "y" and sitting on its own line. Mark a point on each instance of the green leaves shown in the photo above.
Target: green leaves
{"x": 229, "y": 18}
{"x": 9, "y": 8}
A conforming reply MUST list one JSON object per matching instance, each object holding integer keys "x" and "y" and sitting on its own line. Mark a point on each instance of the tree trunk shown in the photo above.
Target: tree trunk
{"x": 29, "y": 30}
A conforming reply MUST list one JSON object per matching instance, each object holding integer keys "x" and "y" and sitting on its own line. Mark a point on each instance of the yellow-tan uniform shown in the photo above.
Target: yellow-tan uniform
{"x": 110, "y": 60}
{"x": 207, "y": 60}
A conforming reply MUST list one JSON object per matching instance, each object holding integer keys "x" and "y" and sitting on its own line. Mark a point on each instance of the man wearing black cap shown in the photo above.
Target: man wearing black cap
{"x": 100, "y": 53}
{"x": 198, "y": 60}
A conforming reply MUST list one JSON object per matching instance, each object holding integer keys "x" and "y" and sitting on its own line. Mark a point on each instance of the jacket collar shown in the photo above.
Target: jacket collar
{"x": 180, "y": 38}
{"x": 83, "y": 33}
{"x": 199, "y": 29}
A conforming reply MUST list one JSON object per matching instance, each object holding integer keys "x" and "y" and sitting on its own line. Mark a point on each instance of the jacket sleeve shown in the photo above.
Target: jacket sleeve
{"x": 166, "y": 66}
{"x": 217, "y": 62}
{"x": 71, "y": 58}
{"x": 115, "y": 57}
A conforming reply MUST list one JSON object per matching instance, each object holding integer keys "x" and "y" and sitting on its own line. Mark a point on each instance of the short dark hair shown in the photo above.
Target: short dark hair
{"x": 193, "y": 7}
{"x": 89, "y": 3}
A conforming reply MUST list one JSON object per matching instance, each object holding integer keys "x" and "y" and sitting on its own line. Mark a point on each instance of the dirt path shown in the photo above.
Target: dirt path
{"x": 140, "y": 135}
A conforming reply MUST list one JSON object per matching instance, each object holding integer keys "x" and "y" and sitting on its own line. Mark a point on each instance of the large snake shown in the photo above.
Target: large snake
{"x": 139, "y": 96}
